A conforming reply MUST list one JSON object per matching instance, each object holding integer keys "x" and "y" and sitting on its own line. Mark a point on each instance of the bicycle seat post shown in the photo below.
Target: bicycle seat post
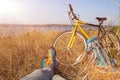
{"x": 101, "y": 29}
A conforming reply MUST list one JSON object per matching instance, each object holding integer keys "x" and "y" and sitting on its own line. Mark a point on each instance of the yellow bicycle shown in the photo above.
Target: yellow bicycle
{"x": 71, "y": 46}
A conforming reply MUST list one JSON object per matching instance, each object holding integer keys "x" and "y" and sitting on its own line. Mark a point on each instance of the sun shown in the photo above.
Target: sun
{"x": 8, "y": 7}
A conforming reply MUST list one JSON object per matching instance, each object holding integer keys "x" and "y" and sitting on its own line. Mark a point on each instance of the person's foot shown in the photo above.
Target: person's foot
{"x": 50, "y": 60}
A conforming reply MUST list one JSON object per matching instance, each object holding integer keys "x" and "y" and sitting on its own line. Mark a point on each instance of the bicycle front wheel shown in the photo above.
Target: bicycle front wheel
{"x": 70, "y": 56}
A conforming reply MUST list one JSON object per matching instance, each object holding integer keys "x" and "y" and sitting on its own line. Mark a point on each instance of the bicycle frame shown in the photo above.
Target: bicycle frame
{"x": 73, "y": 37}
{"x": 77, "y": 26}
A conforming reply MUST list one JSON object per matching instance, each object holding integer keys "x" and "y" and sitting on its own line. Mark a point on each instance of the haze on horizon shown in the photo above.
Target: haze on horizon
{"x": 54, "y": 11}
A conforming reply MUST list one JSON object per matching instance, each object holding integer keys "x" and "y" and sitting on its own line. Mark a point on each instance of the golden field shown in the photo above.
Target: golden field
{"x": 21, "y": 54}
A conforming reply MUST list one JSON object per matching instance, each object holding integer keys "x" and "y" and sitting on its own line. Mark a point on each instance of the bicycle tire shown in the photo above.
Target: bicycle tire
{"x": 73, "y": 55}
{"x": 112, "y": 44}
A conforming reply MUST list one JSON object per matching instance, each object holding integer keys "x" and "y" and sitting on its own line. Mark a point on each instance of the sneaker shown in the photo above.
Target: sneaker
{"x": 50, "y": 60}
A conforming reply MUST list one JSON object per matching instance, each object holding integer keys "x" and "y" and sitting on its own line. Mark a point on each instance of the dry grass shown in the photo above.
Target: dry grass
{"x": 21, "y": 54}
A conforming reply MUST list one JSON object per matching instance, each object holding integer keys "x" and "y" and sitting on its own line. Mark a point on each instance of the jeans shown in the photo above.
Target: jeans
{"x": 42, "y": 74}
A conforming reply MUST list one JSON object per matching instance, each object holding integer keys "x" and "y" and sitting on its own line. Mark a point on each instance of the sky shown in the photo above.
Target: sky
{"x": 54, "y": 11}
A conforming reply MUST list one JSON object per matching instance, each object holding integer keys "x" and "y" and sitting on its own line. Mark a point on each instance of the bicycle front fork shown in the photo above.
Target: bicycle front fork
{"x": 72, "y": 39}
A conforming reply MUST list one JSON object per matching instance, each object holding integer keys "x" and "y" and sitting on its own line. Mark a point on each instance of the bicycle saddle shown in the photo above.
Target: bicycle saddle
{"x": 101, "y": 19}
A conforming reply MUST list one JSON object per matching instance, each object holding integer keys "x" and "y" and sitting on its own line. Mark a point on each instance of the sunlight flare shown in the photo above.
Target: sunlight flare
{"x": 9, "y": 7}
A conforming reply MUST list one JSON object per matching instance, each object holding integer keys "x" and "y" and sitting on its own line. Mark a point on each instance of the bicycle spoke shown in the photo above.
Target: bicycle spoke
{"x": 61, "y": 56}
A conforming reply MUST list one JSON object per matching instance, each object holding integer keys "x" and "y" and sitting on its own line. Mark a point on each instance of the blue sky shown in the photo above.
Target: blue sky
{"x": 54, "y": 11}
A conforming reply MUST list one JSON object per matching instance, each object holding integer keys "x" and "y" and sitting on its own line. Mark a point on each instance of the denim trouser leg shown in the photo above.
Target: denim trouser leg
{"x": 40, "y": 74}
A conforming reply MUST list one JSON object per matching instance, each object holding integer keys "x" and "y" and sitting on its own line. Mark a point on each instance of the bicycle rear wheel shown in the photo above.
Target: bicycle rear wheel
{"x": 112, "y": 43}
{"x": 69, "y": 56}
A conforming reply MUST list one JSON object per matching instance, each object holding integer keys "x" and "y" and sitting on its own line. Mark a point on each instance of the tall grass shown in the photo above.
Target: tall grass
{"x": 116, "y": 29}
{"x": 21, "y": 54}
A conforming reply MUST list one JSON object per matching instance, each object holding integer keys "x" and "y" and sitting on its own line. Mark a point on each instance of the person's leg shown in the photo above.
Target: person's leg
{"x": 40, "y": 74}
{"x": 49, "y": 68}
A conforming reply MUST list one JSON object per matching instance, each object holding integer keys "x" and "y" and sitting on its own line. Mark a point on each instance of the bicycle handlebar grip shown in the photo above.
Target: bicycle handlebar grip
{"x": 70, "y": 6}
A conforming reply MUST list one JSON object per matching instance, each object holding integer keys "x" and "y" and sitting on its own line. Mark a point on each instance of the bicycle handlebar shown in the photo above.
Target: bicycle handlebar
{"x": 71, "y": 11}
{"x": 70, "y": 7}
{"x": 75, "y": 17}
